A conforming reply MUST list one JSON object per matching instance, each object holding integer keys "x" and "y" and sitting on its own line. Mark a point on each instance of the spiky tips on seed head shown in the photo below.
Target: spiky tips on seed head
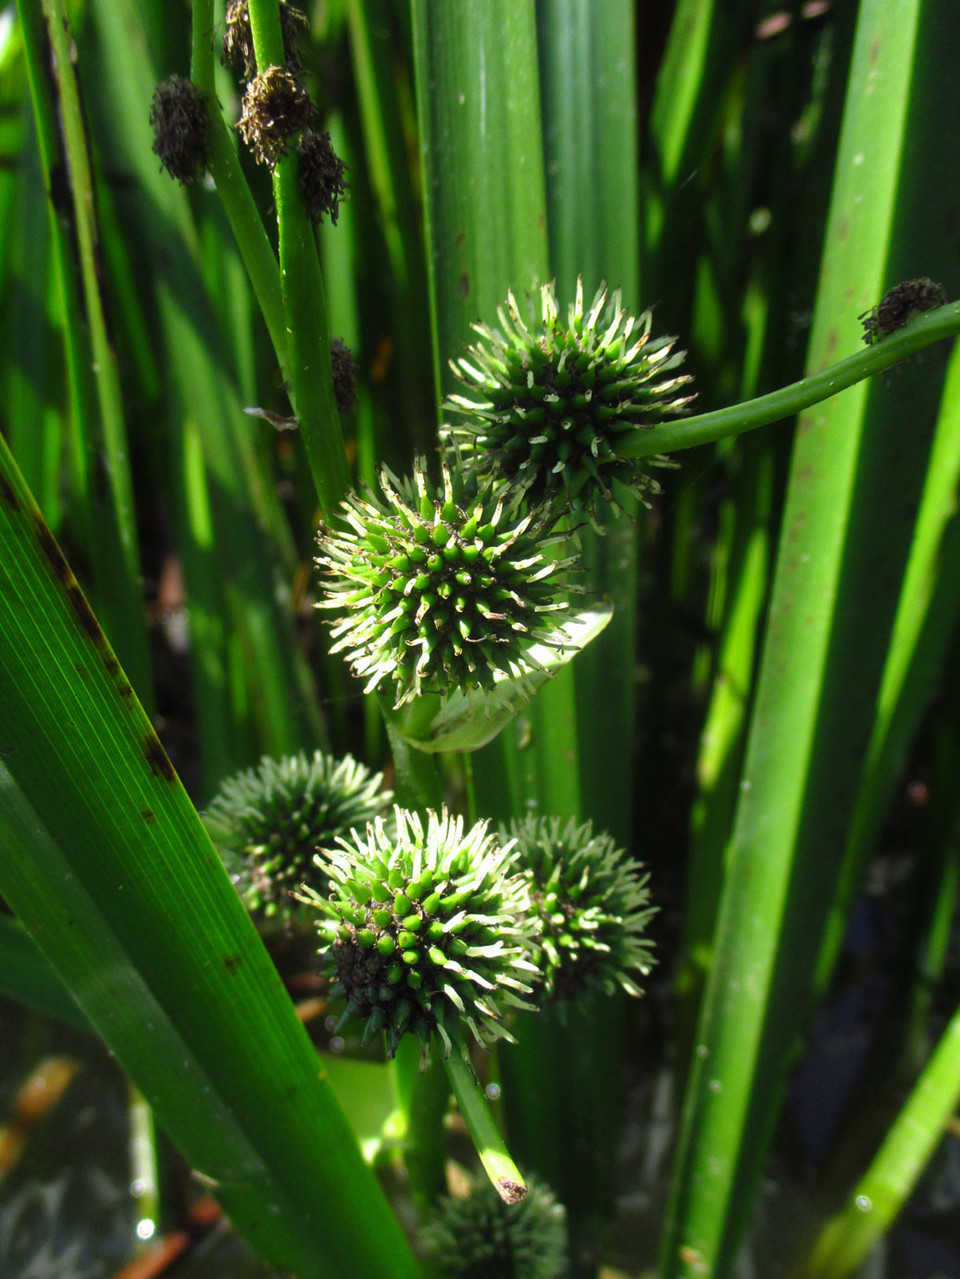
{"x": 276, "y": 107}
{"x": 550, "y": 401}
{"x": 590, "y": 904}
{"x": 269, "y": 821}
{"x": 439, "y": 586}
{"x": 178, "y": 117}
{"x": 424, "y": 929}
{"x": 478, "y": 1236}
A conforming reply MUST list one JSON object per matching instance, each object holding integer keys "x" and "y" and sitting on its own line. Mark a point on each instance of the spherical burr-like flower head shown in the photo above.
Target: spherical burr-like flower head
{"x": 590, "y": 905}
{"x": 549, "y": 403}
{"x": 268, "y": 823}
{"x": 440, "y": 586}
{"x": 481, "y": 1237}
{"x": 424, "y": 929}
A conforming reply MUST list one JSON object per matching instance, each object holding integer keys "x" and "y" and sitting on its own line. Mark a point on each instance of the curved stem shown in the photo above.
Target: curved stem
{"x": 491, "y": 1148}
{"x": 706, "y": 428}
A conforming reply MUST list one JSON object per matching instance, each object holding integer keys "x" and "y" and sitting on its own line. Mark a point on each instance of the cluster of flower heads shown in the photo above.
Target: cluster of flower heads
{"x": 444, "y": 587}
{"x": 268, "y": 822}
{"x": 479, "y": 1236}
{"x": 430, "y": 927}
{"x": 549, "y": 403}
{"x": 439, "y": 586}
{"x": 277, "y": 113}
{"x": 277, "y": 110}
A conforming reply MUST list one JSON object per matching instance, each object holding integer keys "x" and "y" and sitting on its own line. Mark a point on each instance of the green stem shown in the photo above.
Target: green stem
{"x": 890, "y": 1179}
{"x": 417, "y": 783}
{"x": 494, "y": 1156}
{"x": 707, "y": 428}
{"x": 235, "y": 195}
{"x": 304, "y": 300}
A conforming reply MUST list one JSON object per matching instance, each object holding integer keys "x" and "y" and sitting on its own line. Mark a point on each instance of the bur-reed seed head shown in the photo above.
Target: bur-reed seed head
{"x": 178, "y": 117}
{"x": 238, "y": 52}
{"x": 344, "y": 376}
{"x": 424, "y": 929}
{"x": 479, "y": 1236}
{"x": 276, "y": 107}
{"x": 321, "y": 174}
{"x": 549, "y": 402}
{"x": 589, "y": 902}
{"x": 268, "y": 823}
{"x": 900, "y": 304}
{"x": 439, "y": 586}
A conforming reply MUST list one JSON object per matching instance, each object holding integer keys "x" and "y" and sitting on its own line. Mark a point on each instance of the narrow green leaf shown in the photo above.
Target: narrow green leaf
{"x": 105, "y": 861}
{"x": 820, "y": 669}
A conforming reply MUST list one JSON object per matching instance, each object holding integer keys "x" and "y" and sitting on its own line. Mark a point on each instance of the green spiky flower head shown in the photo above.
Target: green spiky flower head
{"x": 439, "y": 586}
{"x": 479, "y": 1236}
{"x": 424, "y": 929}
{"x": 269, "y": 821}
{"x": 591, "y": 907}
{"x": 549, "y": 402}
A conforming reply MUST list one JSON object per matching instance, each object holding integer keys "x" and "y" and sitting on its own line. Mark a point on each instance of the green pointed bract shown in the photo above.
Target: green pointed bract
{"x": 481, "y": 1237}
{"x": 590, "y": 905}
{"x": 425, "y": 931}
{"x": 268, "y": 823}
{"x": 439, "y": 587}
{"x": 549, "y": 402}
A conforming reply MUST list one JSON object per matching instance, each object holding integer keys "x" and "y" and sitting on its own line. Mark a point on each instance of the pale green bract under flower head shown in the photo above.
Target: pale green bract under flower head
{"x": 439, "y": 586}
{"x": 425, "y": 930}
{"x": 549, "y": 401}
{"x": 590, "y": 904}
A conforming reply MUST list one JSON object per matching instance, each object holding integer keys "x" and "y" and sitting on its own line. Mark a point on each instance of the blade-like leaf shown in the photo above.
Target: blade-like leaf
{"x": 107, "y": 864}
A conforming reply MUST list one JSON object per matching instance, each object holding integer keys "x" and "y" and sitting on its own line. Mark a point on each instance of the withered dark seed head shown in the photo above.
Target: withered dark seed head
{"x": 344, "y": 376}
{"x": 900, "y": 304}
{"x": 238, "y": 52}
{"x": 178, "y": 117}
{"x": 276, "y": 107}
{"x": 321, "y": 173}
